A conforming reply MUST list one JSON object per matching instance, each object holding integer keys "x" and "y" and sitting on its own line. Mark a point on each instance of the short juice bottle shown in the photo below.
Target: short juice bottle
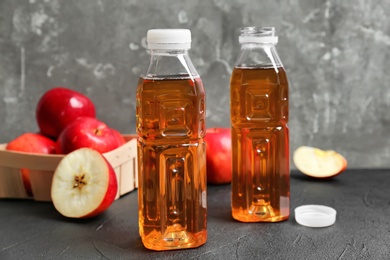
{"x": 171, "y": 148}
{"x": 260, "y": 135}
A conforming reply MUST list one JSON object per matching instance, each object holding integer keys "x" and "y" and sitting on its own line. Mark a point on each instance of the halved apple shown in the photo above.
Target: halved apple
{"x": 317, "y": 163}
{"x": 84, "y": 184}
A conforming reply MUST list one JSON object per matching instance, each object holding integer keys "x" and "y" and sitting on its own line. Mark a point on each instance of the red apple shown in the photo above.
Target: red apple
{"x": 84, "y": 184}
{"x": 60, "y": 106}
{"x": 120, "y": 138}
{"x": 317, "y": 163}
{"x": 88, "y": 132}
{"x": 31, "y": 143}
{"x": 219, "y": 155}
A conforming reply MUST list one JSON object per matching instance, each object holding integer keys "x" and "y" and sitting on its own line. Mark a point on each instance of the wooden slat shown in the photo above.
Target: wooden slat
{"x": 11, "y": 184}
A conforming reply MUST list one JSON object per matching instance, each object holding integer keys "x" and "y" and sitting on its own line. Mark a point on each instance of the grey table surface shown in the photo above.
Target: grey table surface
{"x": 35, "y": 230}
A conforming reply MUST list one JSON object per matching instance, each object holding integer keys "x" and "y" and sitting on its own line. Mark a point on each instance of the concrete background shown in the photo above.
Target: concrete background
{"x": 336, "y": 54}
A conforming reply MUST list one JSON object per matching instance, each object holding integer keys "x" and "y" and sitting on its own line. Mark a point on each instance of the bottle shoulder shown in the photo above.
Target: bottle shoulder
{"x": 172, "y": 66}
{"x": 259, "y": 56}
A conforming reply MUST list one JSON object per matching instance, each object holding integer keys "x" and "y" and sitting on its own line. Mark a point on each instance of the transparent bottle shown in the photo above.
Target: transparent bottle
{"x": 260, "y": 136}
{"x": 171, "y": 148}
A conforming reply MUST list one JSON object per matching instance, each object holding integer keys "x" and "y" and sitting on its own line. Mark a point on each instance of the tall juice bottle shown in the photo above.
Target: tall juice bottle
{"x": 171, "y": 148}
{"x": 260, "y": 137}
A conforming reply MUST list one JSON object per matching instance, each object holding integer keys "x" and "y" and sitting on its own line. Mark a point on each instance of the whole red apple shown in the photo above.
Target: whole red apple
{"x": 121, "y": 139}
{"x": 31, "y": 143}
{"x": 60, "y": 106}
{"x": 90, "y": 133}
{"x": 218, "y": 155}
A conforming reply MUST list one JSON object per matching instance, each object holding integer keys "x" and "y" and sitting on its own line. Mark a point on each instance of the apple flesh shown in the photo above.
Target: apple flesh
{"x": 88, "y": 132}
{"x": 84, "y": 184}
{"x": 60, "y": 106}
{"x": 218, "y": 155}
{"x": 317, "y": 163}
{"x": 31, "y": 143}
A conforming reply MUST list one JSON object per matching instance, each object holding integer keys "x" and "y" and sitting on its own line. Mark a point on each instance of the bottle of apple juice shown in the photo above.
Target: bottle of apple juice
{"x": 260, "y": 137}
{"x": 171, "y": 148}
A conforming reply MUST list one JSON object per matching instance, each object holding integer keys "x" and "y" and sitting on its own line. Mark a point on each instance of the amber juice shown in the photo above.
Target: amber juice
{"x": 259, "y": 115}
{"x": 172, "y": 162}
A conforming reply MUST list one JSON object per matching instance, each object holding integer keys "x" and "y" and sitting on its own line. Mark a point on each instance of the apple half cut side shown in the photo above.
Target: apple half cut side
{"x": 84, "y": 184}
{"x": 318, "y": 163}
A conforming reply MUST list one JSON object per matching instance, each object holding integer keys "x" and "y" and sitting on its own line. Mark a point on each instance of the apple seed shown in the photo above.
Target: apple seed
{"x": 79, "y": 181}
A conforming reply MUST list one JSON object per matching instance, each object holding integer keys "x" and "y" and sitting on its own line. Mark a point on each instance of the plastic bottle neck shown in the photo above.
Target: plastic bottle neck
{"x": 257, "y": 45}
{"x": 169, "y": 52}
{"x": 258, "y": 55}
{"x": 170, "y": 63}
{"x": 261, "y": 35}
{"x": 258, "y": 48}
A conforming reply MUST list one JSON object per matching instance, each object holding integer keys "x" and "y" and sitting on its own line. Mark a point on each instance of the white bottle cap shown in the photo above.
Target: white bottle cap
{"x": 315, "y": 215}
{"x": 169, "y": 39}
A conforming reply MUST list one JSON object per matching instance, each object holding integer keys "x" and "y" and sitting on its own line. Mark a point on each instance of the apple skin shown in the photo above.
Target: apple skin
{"x": 60, "y": 106}
{"x": 120, "y": 138}
{"x": 218, "y": 155}
{"x": 88, "y": 132}
{"x": 31, "y": 143}
{"x": 110, "y": 195}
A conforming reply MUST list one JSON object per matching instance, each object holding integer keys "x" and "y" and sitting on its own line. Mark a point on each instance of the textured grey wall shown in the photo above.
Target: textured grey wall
{"x": 336, "y": 54}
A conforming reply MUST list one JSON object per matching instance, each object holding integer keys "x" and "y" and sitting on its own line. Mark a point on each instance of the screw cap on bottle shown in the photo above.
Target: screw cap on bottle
{"x": 169, "y": 39}
{"x": 315, "y": 215}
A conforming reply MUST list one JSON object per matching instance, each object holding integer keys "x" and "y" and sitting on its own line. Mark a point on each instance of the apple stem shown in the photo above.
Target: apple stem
{"x": 79, "y": 181}
{"x": 97, "y": 131}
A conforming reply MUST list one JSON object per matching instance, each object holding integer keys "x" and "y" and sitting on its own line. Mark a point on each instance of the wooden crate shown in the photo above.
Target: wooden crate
{"x": 42, "y": 167}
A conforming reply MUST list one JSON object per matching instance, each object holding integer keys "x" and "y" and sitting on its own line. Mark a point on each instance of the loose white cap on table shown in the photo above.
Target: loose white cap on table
{"x": 315, "y": 215}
